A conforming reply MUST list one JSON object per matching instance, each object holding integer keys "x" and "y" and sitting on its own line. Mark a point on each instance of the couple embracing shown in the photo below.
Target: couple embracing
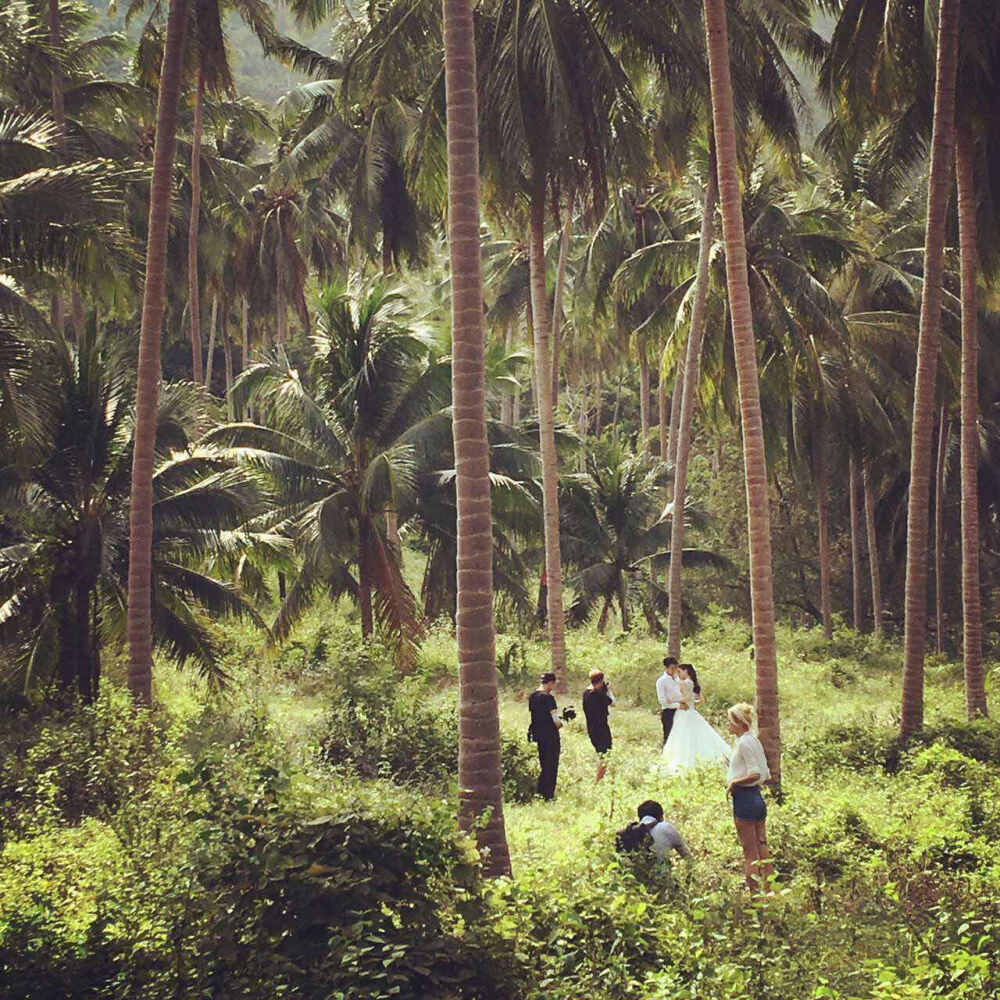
{"x": 688, "y": 738}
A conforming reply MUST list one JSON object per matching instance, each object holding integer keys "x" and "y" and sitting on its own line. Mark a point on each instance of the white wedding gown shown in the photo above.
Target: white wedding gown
{"x": 693, "y": 740}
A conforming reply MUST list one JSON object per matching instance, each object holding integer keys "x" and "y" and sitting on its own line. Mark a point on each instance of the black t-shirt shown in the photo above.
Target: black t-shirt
{"x": 595, "y": 708}
{"x": 541, "y": 705}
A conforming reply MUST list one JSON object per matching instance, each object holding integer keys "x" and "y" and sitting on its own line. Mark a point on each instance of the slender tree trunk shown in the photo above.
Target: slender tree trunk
{"x": 194, "y": 294}
{"x": 754, "y": 459}
{"x": 939, "y": 487}
{"x": 480, "y": 776}
{"x": 972, "y": 606}
{"x": 823, "y": 523}
{"x": 685, "y": 421}
{"x": 558, "y": 294}
{"x": 245, "y": 329}
{"x": 676, "y": 401}
{"x": 209, "y": 365}
{"x": 855, "y": 513}
{"x": 282, "y": 311}
{"x": 227, "y": 347}
{"x": 365, "y": 577}
{"x": 623, "y": 602}
{"x": 643, "y": 398}
{"x": 598, "y": 403}
{"x": 546, "y": 429}
{"x": 662, "y": 414}
{"x": 507, "y": 403}
{"x": 58, "y": 318}
{"x": 915, "y": 630}
{"x": 602, "y": 623}
{"x": 140, "y": 620}
{"x": 873, "y": 561}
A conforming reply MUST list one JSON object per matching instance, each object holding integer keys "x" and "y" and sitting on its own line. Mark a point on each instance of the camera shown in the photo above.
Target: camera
{"x": 568, "y": 713}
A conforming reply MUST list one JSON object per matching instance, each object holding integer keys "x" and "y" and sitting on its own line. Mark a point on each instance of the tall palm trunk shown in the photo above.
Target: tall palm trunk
{"x": 643, "y": 397}
{"x": 972, "y": 606}
{"x": 598, "y": 402}
{"x": 873, "y": 561}
{"x": 209, "y": 365}
{"x": 479, "y": 770}
{"x": 676, "y": 402}
{"x": 914, "y": 637}
{"x": 823, "y": 522}
{"x": 194, "y": 294}
{"x": 662, "y": 413}
{"x": 507, "y": 404}
{"x": 227, "y": 354}
{"x": 364, "y": 576}
{"x": 280, "y": 306}
{"x": 852, "y": 485}
{"x": 58, "y": 319}
{"x": 558, "y": 293}
{"x": 140, "y": 621}
{"x": 939, "y": 486}
{"x": 685, "y": 421}
{"x": 245, "y": 330}
{"x": 754, "y": 459}
{"x": 546, "y": 431}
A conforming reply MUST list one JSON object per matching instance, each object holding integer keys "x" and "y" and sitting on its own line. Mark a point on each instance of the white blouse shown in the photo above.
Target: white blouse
{"x": 748, "y": 757}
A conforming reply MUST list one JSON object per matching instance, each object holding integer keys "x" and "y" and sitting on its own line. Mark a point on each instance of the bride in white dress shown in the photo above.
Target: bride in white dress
{"x": 693, "y": 740}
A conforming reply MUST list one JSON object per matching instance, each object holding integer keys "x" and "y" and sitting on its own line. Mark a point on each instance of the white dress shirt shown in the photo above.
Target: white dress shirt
{"x": 748, "y": 758}
{"x": 668, "y": 691}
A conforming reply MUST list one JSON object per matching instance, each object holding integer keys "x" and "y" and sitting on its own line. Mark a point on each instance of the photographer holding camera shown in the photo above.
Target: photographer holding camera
{"x": 597, "y": 699}
{"x": 544, "y": 731}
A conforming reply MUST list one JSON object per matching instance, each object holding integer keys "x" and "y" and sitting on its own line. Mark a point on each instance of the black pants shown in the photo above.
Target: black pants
{"x": 548, "y": 757}
{"x": 667, "y": 720}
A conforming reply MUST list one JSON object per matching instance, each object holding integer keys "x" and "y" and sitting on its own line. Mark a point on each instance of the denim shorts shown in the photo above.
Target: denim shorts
{"x": 748, "y": 803}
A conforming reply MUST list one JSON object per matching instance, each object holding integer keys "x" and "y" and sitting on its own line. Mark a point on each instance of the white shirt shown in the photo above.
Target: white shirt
{"x": 748, "y": 757}
{"x": 666, "y": 836}
{"x": 668, "y": 691}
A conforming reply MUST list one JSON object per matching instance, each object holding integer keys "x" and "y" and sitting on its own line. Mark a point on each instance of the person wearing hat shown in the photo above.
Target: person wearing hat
{"x": 664, "y": 836}
{"x": 544, "y": 730}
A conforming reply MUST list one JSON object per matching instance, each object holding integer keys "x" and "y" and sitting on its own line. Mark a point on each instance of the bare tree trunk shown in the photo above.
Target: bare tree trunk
{"x": 823, "y": 522}
{"x": 57, "y": 318}
{"x": 676, "y": 401}
{"x": 852, "y": 485}
{"x": 939, "y": 487}
{"x": 227, "y": 345}
{"x": 939, "y": 186}
{"x": 558, "y": 294}
{"x": 140, "y": 620}
{"x": 546, "y": 429}
{"x": 643, "y": 397}
{"x": 194, "y": 295}
{"x": 507, "y": 404}
{"x": 685, "y": 422}
{"x": 873, "y": 561}
{"x": 662, "y": 414}
{"x": 245, "y": 322}
{"x": 972, "y": 606}
{"x": 480, "y": 775}
{"x": 598, "y": 403}
{"x": 754, "y": 459}
{"x": 211, "y": 342}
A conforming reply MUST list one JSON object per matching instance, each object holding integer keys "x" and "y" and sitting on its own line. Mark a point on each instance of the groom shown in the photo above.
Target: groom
{"x": 668, "y": 694}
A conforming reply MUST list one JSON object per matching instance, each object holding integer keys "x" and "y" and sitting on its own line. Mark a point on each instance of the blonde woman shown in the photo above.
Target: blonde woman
{"x": 748, "y": 770}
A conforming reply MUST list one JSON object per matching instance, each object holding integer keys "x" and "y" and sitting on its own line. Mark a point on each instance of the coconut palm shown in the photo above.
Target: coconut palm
{"x": 341, "y": 447}
{"x": 63, "y": 580}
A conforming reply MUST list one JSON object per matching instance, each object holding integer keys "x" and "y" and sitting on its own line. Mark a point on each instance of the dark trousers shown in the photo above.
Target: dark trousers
{"x": 548, "y": 757}
{"x": 667, "y": 721}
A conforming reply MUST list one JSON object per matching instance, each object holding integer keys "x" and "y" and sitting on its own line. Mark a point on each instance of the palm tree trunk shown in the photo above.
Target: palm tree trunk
{"x": 558, "y": 294}
{"x": 227, "y": 354}
{"x": 662, "y": 413}
{"x": 939, "y": 486}
{"x": 972, "y": 606}
{"x": 852, "y": 485}
{"x": 507, "y": 404}
{"x": 598, "y": 403}
{"x": 643, "y": 398}
{"x": 602, "y": 623}
{"x": 873, "y": 562}
{"x": 365, "y": 577}
{"x": 211, "y": 342}
{"x": 140, "y": 620}
{"x": 823, "y": 521}
{"x": 280, "y": 307}
{"x": 59, "y": 117}
{"x": 245, "y": 321}
{"x": 754, "y": 459}
{"x": 685, "y": 421}
{"x": 480, "y": 777}
{"x": 939, "y": 185}
{"x": 194, "y": 295}
{"x": 623, "y": 602}
{"x": 546, "y": 430}
{"x": 676, "y": 401}
{"x": 77, "y": 312}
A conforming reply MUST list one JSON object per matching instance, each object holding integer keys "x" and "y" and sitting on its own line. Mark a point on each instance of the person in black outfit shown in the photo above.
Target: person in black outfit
{"x": 544, "y": 730}
{"x": 597, "y": 699}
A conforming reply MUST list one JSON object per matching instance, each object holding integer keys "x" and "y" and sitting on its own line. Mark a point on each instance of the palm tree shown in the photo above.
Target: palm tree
{"x": 942, "y": 142}
{"x": 140, "y": 621}
{"x": 342, "y": 450}
{"x": 754, "y": 460}
{"x": 617, "y": 533}
{"x": 63, "y": 578}
{"x": 480, "y": 776}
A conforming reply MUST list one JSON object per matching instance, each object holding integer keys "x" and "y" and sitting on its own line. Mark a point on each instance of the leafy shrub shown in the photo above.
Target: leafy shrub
{"x": 378, "y": 727}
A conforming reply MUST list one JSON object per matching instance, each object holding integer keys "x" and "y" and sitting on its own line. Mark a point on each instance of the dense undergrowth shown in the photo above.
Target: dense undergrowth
{"x": 295, "y": 837}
